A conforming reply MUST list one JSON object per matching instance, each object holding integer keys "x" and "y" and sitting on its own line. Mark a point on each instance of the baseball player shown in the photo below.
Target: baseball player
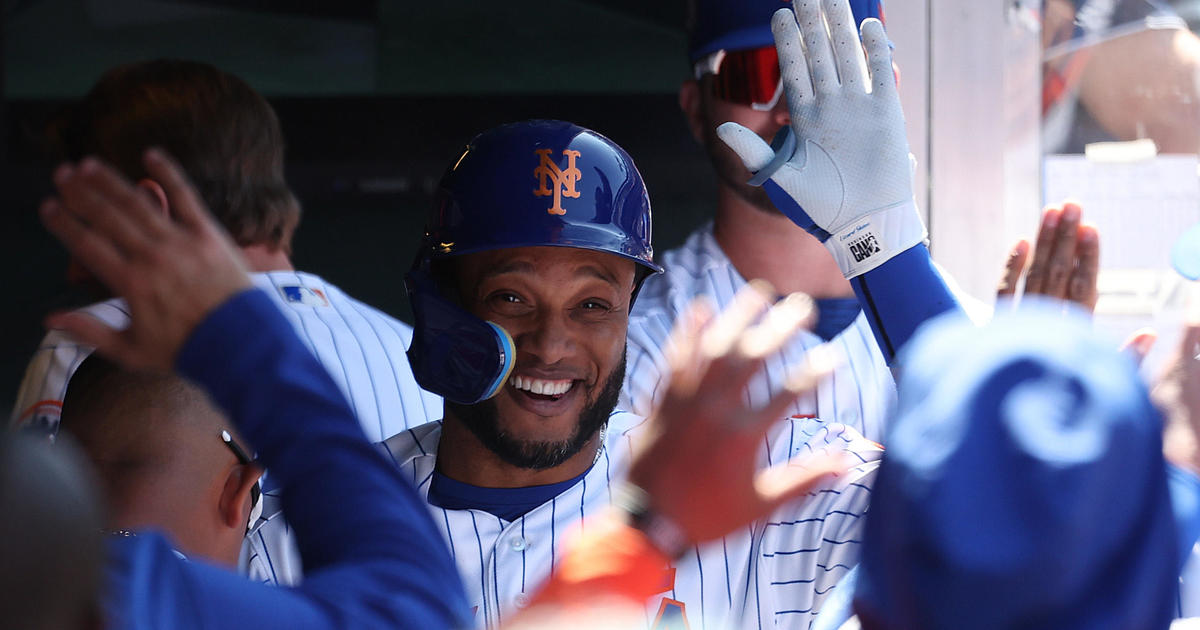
{"x": 737, "y": 78}
{"x": 172, "y": 104}
{"x": 521, "y": 311}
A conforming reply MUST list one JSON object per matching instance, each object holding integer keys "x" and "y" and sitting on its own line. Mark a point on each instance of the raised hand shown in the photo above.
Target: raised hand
{"x": 172, "y": 273}
{"x": 699, "y": 462}
{"x": 846, "y": 175}
{"x": 1066, "y": 260}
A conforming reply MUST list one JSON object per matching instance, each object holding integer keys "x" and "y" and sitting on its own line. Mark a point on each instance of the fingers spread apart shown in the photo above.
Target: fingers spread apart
{"x": 714, "y": 357}
{"x": 819, "y": 363}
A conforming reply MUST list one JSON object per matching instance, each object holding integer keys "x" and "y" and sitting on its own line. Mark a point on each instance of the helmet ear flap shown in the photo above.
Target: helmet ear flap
{"x": 453, "y": 353}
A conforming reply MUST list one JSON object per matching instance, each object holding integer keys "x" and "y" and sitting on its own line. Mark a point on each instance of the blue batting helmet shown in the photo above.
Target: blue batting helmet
{"x": 542, "y": 182}
{"x": 533, "y": 183}
{"x": 740, "y": 24}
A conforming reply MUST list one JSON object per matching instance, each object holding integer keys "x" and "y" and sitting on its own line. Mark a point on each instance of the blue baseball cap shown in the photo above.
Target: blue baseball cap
{"x": 741, "y": 24}
{"x": 1023, "y": 485}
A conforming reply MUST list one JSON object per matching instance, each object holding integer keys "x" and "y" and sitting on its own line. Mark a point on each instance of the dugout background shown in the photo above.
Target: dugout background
{"x": 376, "y": 97}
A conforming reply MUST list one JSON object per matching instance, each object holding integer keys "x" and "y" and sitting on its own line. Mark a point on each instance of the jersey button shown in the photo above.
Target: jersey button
{"x": 521, "y": 600}
{"x": 519, "y": 544}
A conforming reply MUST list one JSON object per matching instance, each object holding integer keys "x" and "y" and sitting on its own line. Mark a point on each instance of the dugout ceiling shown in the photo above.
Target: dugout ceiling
{"x": 57, "y": 48}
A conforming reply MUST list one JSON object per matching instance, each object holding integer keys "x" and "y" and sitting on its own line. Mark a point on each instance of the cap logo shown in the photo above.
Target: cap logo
{"x": 561, "y": 182}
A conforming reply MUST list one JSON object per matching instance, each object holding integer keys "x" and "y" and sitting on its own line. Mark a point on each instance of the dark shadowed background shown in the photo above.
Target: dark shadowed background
{"x": 376, "y": 98}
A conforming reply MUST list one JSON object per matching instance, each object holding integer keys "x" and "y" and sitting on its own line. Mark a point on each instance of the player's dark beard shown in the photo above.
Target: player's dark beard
{"x": 734, "y": 175}
{"x": 482, "y": 420}
{"x": 730, "y": 169}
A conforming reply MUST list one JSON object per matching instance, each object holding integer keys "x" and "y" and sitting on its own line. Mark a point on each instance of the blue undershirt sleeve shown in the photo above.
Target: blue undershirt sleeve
{"x": 900, "y": 295}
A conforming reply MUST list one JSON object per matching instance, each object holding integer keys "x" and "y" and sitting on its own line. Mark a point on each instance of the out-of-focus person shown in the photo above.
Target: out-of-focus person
{"x": 166, "y": 457}
{"x": 1118, "y": 70}
{"x": 736, "y": 77}
{"x": 50, "y": 538}
{"x": 228, "y": 139}
{"x": 1024, "y": 484}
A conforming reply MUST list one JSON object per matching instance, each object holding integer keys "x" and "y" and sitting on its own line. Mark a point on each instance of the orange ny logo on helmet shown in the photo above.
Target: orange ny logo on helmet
{"x": 562, "y": 182}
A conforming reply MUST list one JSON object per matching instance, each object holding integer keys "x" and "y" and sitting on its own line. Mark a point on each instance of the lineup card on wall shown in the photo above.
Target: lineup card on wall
{"x": 1139, "y": 206}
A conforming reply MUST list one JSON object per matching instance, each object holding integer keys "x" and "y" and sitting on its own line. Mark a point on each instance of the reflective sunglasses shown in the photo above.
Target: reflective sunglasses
{"x": 746, "y": 77}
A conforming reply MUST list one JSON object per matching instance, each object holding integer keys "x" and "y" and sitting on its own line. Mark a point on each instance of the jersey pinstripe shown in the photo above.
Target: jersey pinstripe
{"x": 39, "y": 399}
{"x": 773, "y": 573}
{"x": 860, "y": 393}
{"x": 362, "y": 348}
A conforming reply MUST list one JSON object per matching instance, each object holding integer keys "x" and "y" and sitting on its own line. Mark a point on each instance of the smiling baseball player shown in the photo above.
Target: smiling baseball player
{"x": 521, "y": 317}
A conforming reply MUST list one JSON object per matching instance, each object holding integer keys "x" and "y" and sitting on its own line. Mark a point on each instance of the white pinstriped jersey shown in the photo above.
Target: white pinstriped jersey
{"x": 773, "y": 573}
{"x": 362, "y": 348}
{"x": 860, "y": 393}
{"x": 39, "y": 399}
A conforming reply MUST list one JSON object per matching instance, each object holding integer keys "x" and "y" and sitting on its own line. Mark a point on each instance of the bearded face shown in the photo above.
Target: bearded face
{"x": 567, "y": 310}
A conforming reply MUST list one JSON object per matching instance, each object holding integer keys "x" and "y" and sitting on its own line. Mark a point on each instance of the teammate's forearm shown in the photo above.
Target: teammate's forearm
{"x": 897, "y": 296}
{"x": 900, "y": 295}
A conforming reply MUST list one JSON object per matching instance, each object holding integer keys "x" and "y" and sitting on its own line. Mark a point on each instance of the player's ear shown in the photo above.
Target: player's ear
{"x": 155, "y": 192}
{"x": 235, "y": 502}
{"x": 690, "y": 104}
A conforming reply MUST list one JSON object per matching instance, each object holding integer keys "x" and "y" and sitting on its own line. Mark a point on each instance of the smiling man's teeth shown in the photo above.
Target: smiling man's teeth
{"x": 541, "y": 386}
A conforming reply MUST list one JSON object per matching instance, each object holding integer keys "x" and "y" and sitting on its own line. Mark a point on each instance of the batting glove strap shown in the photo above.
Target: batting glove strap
{"x": 875, "y": 238}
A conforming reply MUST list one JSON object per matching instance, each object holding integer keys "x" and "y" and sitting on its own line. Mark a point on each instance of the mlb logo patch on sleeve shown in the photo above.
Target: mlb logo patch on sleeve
{"x": 296, "y": 294}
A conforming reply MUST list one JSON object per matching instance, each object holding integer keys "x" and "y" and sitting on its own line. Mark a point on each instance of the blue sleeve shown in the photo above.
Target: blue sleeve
{"x": 372, "y": 556}
{"x": 900, "y": 295}
{"x": 1184, "y": 487}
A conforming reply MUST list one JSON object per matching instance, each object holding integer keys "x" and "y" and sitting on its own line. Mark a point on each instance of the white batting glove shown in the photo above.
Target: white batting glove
{"x": 849, "y": 169}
